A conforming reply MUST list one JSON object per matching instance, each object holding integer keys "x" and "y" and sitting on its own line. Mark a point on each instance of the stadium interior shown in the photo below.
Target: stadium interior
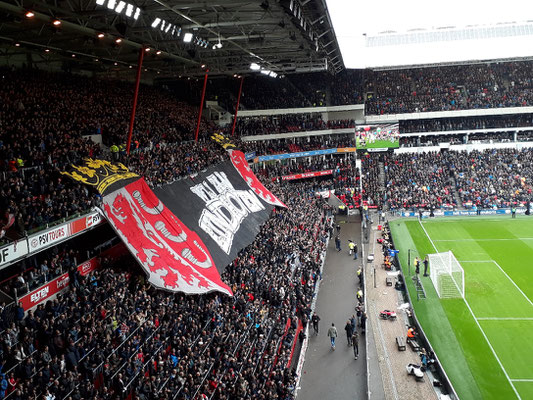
{"x": 188, "y": 184}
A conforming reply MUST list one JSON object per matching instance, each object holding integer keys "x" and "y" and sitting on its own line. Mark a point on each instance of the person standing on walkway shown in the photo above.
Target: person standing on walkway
{"x": 349, "y": 332}
{"x": 337, "y": 243}
{"x": 360, "y": 296}
{"x": 355, "y": 344}
{"x": 332, "y": 334}
{"x": 315, "y": 319}
{"x": 360, "y": 275}
{"x": 363, "y": 322}
{"x": 355, "y": 251}
{"x": 417, "y": 266}
{"x": 353, "y": 321}
{"x": 426, "y": 262}
{"x": 351, "y": 245}
{"x": 338, "y": 229}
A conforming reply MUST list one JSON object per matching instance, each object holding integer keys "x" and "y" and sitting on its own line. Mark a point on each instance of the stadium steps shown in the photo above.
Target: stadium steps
{"x": 456, "y": 195}
{"x": 381, "y": 174}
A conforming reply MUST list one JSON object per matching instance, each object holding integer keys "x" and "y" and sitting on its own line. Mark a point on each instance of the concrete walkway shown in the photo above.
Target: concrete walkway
{"x": 328, "y": 374}
{"x": 397, "y": 384}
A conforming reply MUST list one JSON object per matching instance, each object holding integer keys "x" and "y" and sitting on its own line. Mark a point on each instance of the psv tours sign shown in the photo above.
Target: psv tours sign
{"x": 184, "y": 234}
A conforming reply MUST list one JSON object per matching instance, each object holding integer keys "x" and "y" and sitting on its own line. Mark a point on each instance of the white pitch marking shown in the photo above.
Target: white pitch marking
{"x": 505, "y": 319}
{"x": 482, "y": 240}
{"x": 479, "y": 325}
{"x": 513, "y": 282}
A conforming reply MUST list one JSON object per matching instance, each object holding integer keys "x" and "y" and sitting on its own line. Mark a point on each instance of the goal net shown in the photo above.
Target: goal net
{"x": 447, "y": 275}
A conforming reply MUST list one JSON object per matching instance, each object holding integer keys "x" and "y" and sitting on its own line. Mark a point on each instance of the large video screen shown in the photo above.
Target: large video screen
{"x": 378, "y": 137}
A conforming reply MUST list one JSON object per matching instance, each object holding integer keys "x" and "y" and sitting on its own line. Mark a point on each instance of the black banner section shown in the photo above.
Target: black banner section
{"x": 220, "y": 207}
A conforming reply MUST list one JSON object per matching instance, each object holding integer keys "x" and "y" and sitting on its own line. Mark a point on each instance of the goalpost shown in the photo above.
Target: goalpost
{"x": 447, "y": 275}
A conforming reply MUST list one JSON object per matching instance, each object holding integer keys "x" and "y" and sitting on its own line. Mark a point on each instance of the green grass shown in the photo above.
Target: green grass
{"x": 378, "y": 144}
{"x": 484, "y": 343}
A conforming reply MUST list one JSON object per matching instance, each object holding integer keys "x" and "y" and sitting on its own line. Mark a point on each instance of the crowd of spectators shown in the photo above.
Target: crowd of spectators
{"x": 343, "y": 181}
{"x": 112, "y": 334}
{"x": 466, "y": 123}
{"x": 493, "y": 178}
{"x": 42, "y": 119}
{"x": 287, "y": 123}
{"x": 496, "y": 85}
{"x": 419, "y": 180}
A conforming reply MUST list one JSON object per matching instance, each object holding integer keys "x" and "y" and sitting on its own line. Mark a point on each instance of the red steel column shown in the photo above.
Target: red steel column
{"x": 237, "y": 108}
{"x": 201, "y": 108}
{"x": 135, "y": 96}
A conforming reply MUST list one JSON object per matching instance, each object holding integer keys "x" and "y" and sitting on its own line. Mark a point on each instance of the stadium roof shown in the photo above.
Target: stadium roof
{"x": 226, "y": 36}
{"x": 396, "y": 33}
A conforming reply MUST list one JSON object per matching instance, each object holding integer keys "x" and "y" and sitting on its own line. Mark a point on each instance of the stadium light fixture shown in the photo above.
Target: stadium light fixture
{"x": 187, "y": 38}
{"x": 29, "y": 14}
{"x": 47, "y": 50}
{"x": 254, "y": 67}
{"x": 147, "y": 49}
{"x": 73, "y": 56}
{"x": 56, "y": 22}
{"x": 158, "y": 52}
{"x": 265, "y": 72}
{"x": 118, "y": 40}
{"x": 100, "y": 35}
{"x": 17, "y": 44}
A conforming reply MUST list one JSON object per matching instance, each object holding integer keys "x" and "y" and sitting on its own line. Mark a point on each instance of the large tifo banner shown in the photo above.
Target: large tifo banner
{"x": 186, "y": 234}
{"x": 221, "y": 207}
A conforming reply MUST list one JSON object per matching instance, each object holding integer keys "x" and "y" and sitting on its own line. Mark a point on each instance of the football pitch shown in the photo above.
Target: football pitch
{"x": 485, "y": 341}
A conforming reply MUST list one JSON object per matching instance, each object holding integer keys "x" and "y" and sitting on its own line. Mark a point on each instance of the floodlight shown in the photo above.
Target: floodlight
{"x": 187, "y": 37}
{"x": 265, "y": 72}
{"x": 30, "y": 14}
{"x": 254, "y": 67}
{"x": 100, "y": 35}
{"x": 111, "y": 4}
{"x": 120, "y": 7}
{"x": 158, "y": 52}
{"x": 118, "y": 40}
{"x": 56, "y": 22}
{"x": 156, "y": 22}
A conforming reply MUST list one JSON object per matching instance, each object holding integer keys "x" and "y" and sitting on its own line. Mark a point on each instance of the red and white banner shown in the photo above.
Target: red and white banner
{"x": 307, "y": 175}
{"x": 173, "y": 256}
{"x": 57, "y": 234}
{"x": 41, "y": 294}
{"x": 241, "y": 165}
{"x": 63, "y": 281}
{"x": 87, "y": 221}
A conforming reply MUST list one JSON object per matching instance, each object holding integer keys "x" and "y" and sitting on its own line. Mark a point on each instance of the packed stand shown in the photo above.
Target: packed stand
{"x": 42, "y": 119}
{"x": 265, "y": 125}
{"x": 419, "y": 180}
{"x": 449, "y": 88}
{"x": 113, "y": 335}
{"x": 493, "y": 178}
{"x": 466, "y": 123}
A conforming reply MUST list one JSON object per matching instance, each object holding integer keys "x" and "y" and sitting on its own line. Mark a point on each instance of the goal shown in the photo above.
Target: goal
{"x": 447, "y": 275}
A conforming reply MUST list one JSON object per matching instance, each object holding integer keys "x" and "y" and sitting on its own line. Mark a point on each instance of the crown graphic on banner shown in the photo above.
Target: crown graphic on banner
{"x": 100, "y": 173}
{"x": 223, "y": 140}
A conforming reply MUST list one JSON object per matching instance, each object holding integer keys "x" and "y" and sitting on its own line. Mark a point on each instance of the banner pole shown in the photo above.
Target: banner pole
{"x": 201, "y": 108}
{"x": 237, "y": 107}
{"x": 135, "y": 97}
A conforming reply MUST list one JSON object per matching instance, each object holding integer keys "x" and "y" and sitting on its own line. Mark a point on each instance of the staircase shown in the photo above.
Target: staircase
{"x": 420, "y": 292}
{"x": 456, "y": 196}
